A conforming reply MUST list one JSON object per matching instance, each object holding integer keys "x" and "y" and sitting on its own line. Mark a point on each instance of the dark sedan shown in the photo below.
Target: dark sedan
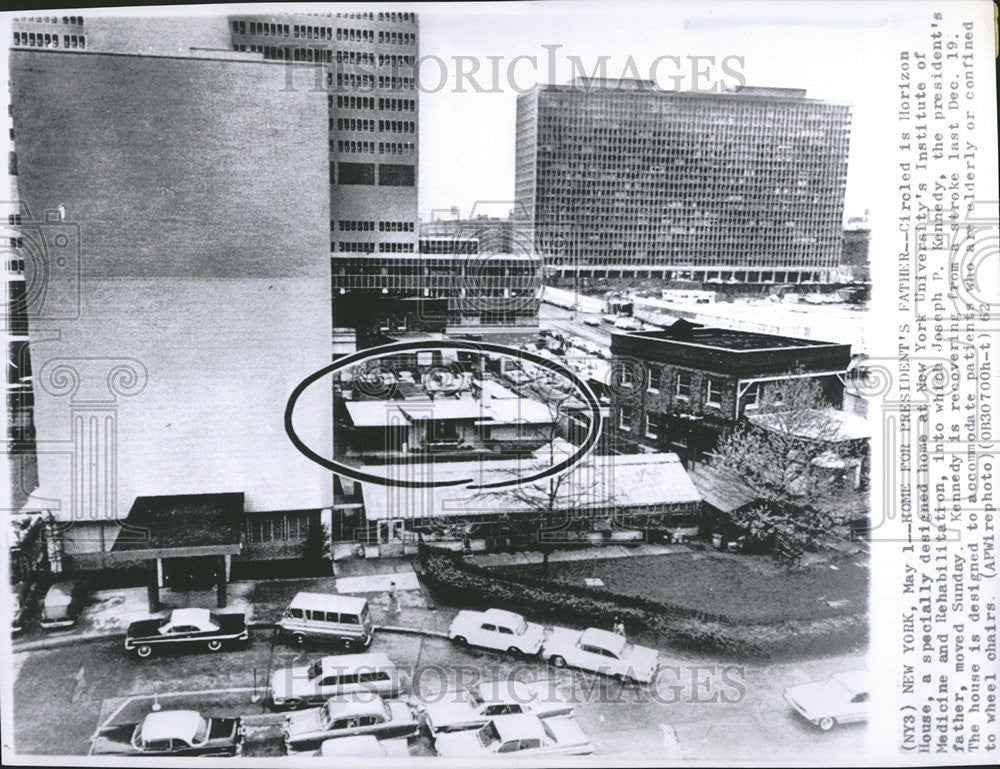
{"x": 184, "y": 629}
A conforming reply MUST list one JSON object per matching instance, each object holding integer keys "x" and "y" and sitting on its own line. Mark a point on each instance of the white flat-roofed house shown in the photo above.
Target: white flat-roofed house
{"x": 446, "y": 425}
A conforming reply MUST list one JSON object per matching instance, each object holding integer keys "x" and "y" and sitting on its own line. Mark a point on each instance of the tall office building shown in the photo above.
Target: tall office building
{"x": 620, "y": 179}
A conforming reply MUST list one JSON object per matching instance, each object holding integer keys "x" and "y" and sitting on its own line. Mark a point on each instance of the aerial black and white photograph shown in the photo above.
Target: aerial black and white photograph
{"x": 487, "y": 381}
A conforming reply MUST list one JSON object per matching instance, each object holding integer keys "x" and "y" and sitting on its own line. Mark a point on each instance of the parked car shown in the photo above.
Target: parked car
{"x": 334, "y": 676}
{"x": 471, "y": 707}
{"x": 590, "y": 320}
{"x": 172, "y": 733}
{"x": 517, "y": 736}
{"x": 62, "y": 605}
{"x": 364, "y": 746}
{"x": 841, "y": 699}
{"x": 18, "y": 614}
{"x": 497, "y": 629}
{"x": 328, "y": 617}
{"x": 184, "y": 629}
{"x": 356, "y": 714}
{"x": 600, "y": 651}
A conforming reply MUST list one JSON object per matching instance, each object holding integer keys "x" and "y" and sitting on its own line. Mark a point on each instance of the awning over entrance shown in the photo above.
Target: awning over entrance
{"x": 181, "y": 526}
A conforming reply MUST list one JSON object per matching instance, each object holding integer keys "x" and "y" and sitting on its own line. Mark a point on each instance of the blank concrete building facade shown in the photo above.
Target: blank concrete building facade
{"x": 620, "y": 179}
{"x": 192, "y": 297}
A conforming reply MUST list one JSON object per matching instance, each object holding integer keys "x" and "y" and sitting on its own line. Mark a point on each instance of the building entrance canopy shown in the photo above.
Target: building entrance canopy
{"x": 181, "y": 526}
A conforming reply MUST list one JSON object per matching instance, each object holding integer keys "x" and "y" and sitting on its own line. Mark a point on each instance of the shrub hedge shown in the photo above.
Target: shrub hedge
{"x": 461, "y": 583}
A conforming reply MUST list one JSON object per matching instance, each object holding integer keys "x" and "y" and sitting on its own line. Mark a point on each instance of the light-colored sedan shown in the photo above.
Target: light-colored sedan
{"x": 841, "y": 699}
{"x": 472, "y": 707}
{"x": 349, "y": 716}
{"x": 602, "y": 652}
{"x": 364, "y": 746}
{"x": 497, "y": 629}
{"x": 517, "y": 736}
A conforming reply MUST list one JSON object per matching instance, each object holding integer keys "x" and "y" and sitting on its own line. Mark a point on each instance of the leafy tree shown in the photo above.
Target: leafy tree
{"x": 778, "y": 459}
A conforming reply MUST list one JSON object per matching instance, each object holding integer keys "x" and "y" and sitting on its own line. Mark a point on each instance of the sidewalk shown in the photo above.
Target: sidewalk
{"x": 110, "y": 612}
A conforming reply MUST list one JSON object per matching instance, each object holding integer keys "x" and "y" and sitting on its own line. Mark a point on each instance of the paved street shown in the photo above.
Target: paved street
{"x": 550, "y": 316}
{"x": 62, "y": 695}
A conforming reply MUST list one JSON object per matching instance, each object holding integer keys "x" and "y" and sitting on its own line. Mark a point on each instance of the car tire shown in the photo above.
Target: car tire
{"x": 214, "y": 645}
{"x": 513, "y": 650}
{"x": 826, "y": 723}
{"x": 293, "y": 704}
{"x": 559, "y": 661}
{"x": 624, "y": 679}
{"x": 143, "y": 651}
{"x": 460, "y": 640}
{"x": 299, "y": 639}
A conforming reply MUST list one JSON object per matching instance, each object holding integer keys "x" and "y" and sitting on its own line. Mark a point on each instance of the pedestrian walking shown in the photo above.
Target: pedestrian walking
{"x": 393, "y": 607}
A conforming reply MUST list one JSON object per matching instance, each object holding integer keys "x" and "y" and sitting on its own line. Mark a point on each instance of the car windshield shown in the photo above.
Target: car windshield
{"x": 488, "y": 735}
{"x": 842, "y": 689}
{"x": 521, "y": 627}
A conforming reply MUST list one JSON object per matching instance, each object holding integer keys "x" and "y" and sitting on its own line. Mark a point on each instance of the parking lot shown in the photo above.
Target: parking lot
{"x": 695, "y": 709}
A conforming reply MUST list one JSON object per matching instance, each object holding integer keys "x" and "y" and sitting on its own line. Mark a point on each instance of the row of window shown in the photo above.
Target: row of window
{"x": 353, "y": 248}
{"x": 397, "y": 38}
{"x": 395, "y": 248}
{"x": 78, "y": 20}
{"x": 389, "y": 174}
{"x": 39, "y": 40}
{"x": 368, "y": 102}
{"x": 367, "y": 124}
{"x": 354, "y": 124}
{"x": 387, "y": 16}
{"x": 367, "y": 82}
{"x": 351, "y": 225}
{"x": 682, "y": 385}
{"x": 355, "y": 146}
{"x": 396, "y": 148}
{"x": 276, "y": 528}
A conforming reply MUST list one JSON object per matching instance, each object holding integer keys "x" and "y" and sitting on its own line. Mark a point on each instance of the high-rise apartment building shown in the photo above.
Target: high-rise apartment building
{"x": 620, "y": 179}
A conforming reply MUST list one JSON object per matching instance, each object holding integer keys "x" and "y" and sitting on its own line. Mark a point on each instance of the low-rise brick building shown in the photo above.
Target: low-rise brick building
{"x": 683, "y": 388}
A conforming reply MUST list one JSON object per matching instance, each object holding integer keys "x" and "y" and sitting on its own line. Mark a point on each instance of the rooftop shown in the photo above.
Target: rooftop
{"x": 171, "y": 725}
{"x": 827, "y": 425}
{"x": 596, "y": 484}
{"x": 499, "y": 411}
{"x": 685, "y": 332}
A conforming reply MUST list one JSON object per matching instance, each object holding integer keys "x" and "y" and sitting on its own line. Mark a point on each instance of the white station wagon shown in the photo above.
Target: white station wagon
{"x": 601, "y": 651}
{"x": 497, "y": 629}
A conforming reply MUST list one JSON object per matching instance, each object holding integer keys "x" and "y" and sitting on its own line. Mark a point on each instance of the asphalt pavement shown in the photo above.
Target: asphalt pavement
{"x": 695, "y": 709}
